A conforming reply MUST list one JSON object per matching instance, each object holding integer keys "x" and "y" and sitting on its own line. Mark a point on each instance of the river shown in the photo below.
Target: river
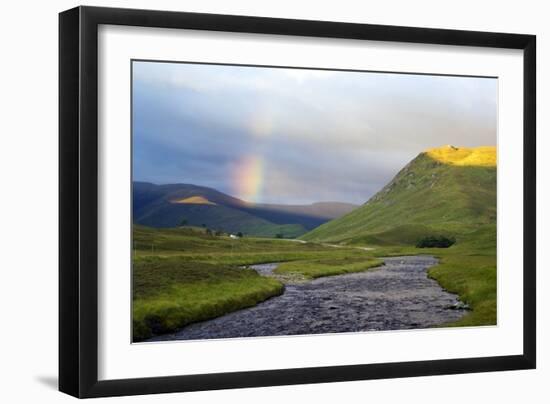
{"x": 397, "y": 295}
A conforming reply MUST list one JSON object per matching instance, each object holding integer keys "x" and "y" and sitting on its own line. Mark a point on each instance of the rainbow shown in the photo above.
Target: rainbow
{"x": 247, "y": 178}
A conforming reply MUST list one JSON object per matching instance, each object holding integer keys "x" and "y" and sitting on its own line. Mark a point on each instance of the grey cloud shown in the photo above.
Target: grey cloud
{"x": 321, "y": 135}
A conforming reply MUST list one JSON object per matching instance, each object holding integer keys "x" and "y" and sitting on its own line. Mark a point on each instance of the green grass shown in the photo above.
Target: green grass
{"x": 171, "y": 293}
{"x": 310, "y": 269}
{"x": 194, "y": 240}
{"x": 473, "y": 278}
{"x": 467, "y": 269}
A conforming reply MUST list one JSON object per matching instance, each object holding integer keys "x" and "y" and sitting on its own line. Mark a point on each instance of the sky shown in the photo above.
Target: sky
{"x": 297, "y": 136}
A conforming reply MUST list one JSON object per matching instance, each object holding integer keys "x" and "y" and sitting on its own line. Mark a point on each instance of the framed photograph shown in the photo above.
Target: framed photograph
{"x": 250, "y": 201}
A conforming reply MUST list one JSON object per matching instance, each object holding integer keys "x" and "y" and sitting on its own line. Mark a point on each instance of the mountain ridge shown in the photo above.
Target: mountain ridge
{"x": 448, "y": 190}
{"x": 167, "y": 205}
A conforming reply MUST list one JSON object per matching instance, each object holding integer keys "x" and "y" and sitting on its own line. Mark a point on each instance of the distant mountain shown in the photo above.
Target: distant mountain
{"x": 169, "y": 205}
{"x": 443, "y": 191}
{"x": 321, "y": 210}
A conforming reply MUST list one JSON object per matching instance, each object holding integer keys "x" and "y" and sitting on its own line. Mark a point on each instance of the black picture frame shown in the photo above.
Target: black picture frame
{"x": 78, "y": 201}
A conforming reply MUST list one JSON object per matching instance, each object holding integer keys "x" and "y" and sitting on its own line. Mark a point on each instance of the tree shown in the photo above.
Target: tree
{"x": 279, "y": 235}
{"x": 183, "y": 222}
{"x": 239, "y": 234}
{"x": 435, "y": 242}
{"x": 208, "y": 232}
{"x": 219, "y": 233}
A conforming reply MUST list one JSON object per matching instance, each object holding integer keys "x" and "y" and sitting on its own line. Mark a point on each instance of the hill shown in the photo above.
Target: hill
{"x": 163, "y": 206}
{"x": 443, "y": 191}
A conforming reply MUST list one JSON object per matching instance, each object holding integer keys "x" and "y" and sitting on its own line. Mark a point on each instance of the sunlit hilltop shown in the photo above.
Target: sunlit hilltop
{"x": 485, "y": 156}
{"x": 455, "y": 197}
{"x": 195, "y": 200}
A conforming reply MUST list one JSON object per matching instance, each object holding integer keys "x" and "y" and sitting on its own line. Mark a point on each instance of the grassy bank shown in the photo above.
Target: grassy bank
{"x": 470, "y": 270}
{"x": 473, "y": 278}
{"x": 467, "y": 269}
{"x": 310, "y": 269}
{"x": 171, "y": 293}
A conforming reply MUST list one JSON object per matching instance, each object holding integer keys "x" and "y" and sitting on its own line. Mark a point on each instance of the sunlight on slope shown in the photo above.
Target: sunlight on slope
{"x": 196, "y": 200}
{"x": 485, "y": 156}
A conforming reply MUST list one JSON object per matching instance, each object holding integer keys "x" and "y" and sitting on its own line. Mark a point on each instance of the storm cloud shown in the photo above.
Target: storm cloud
{"x": 280, "y": 135}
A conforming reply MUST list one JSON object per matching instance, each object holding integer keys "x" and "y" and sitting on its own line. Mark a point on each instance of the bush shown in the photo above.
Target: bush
{"x": 435, "y": 242}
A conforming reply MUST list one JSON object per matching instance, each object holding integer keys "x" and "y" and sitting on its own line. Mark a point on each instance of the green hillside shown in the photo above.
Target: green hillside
{"x": 217, "y": 217}
{"x": 445, "y": 191}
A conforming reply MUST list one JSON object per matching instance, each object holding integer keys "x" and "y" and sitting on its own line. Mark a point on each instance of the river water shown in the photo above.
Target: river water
{"x": 398, "y": 295}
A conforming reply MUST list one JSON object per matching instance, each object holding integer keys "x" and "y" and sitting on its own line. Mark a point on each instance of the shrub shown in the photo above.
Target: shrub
{"x": 435, "y": 242}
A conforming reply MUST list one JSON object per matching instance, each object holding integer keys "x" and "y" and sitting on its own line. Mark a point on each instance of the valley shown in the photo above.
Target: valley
{"x": 196, "y": 253}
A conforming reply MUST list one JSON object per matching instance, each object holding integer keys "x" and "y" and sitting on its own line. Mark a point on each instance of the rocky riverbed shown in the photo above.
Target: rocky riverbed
{"x": 398, "y": 295}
